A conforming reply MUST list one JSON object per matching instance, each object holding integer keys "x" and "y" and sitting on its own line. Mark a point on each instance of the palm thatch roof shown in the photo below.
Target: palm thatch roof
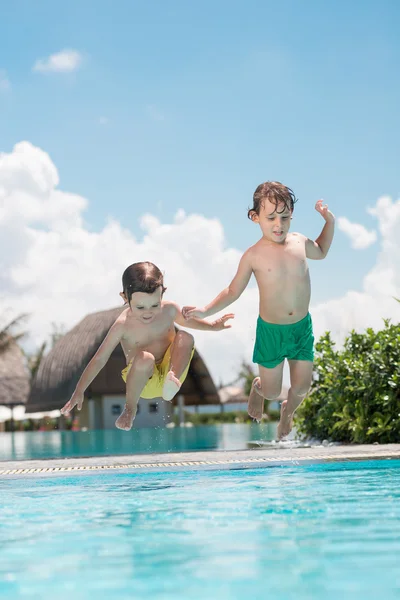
{"x": 14, "y": 376}
{"x": 60, "y": 370}
{"x": 234, "y": 394}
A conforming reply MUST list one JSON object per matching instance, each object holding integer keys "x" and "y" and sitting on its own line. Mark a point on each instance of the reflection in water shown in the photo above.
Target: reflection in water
{"x": 62, "y": 444}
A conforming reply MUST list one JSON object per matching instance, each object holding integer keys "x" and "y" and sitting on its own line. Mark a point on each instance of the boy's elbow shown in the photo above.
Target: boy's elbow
{"x": 322, "y": 252}
{"x": 233, "y": 293}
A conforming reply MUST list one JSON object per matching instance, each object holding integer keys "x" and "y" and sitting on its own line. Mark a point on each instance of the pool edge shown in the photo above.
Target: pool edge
{"x": 203, "y": 460}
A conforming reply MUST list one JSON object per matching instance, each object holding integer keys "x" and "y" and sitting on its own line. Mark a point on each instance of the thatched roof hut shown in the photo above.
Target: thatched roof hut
{"x": 234, "y": 394}
{"x": 60, "y": 370}
{"x": 14, "y": 376}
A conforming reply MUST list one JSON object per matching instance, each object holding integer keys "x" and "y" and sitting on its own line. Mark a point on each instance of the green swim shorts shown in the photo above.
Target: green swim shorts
{"x": 274, "y": 342}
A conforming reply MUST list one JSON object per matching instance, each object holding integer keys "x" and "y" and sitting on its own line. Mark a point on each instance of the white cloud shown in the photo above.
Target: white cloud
{"x": 359, "y": 236}
{"x": 57, "y": 270}
{"x": 5, "y": 84}
{"x": 65, "y": 61}
{"x": 368, "y": 308}
{"x": 54, "y": 268}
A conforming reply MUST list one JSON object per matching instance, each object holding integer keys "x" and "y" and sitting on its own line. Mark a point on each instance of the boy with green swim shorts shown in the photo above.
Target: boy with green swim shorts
{"x": 284, "y": 327}
{"x": 157, "y": 355}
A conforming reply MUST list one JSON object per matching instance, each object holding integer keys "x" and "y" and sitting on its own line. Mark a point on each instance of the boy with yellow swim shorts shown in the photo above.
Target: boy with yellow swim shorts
{"x": 284, "y": 328}
{"x": 157, "y": 356}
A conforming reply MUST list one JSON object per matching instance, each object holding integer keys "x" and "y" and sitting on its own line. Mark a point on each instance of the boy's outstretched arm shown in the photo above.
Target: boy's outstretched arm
{"x": 98, "y": 361}
{"x": 228, "y": 295}
{"x": 201, "y": 324}
{"x": 319, "y": 249}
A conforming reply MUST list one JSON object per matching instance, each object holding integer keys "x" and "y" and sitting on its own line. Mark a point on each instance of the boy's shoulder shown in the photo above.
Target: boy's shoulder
{"x": 253, "y": 250}
{"x": 120, "y": 325}
{"x": 296, "y": 234}
{"x": 249, "y": 257}
{"x": 122, "y": 318}
{"x": 171, "y": 308}
{"x": 296, "y": 237}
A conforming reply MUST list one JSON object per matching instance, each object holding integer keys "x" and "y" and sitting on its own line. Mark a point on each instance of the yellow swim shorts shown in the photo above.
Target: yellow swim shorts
{"x": 154, "y": 386}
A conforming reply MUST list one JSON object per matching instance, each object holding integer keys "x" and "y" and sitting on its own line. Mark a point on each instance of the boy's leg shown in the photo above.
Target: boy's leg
{"x": 140, "y": 372}
{"x": 181, "y": 351}
{"x": 268, "y": 385}
{"x": 300, "y": 382}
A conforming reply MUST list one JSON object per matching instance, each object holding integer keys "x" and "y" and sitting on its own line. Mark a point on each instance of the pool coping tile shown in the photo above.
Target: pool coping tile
{"x": 254, "y": 458}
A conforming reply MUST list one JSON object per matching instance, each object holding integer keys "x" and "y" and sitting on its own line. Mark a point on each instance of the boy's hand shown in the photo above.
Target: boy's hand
{"x": 323, "y": 210}
{"x": 76, "y": 400}
{"x": 189, "y": 312}
{"x": 220, "y": 323}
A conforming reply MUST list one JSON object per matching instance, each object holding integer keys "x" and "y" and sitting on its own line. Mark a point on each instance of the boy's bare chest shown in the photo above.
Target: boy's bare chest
{"x": 144, "y": 334}
{"x": 281, "y": 262}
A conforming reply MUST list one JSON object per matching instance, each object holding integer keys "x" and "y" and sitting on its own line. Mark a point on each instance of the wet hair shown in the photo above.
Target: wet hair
{"x": 142, "y": 277}
{"x": 275, "y": 192}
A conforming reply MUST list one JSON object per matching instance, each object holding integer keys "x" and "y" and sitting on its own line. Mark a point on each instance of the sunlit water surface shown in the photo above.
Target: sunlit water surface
{"x": 326, "y": 531}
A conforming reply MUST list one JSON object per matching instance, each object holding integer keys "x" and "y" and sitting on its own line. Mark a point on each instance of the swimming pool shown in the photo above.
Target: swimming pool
{"x": 326, "y": 531}
{"x": 106, "y": 442}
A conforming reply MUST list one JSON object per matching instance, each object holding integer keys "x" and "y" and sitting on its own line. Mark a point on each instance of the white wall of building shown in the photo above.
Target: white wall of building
{"x": 151, "y": 413}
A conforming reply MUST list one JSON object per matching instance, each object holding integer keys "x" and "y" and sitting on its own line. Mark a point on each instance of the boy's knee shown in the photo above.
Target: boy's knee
{"x": 270, "y": 393}
{"x": 185, "y": 338}
{"x": 301, "y": 391}
{"x": 305, "y": 391}
{"x": 144, "y": 362}
{"x": 267, "y": 391}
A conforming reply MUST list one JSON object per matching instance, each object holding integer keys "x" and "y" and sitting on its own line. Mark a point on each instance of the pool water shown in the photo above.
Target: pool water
{"x": 62, "y": 444}
{"x": 325, "y": 531}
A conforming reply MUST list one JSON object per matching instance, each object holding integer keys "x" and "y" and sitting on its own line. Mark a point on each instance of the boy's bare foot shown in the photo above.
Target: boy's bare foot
{"x": 171, "y": 386}
{"x": 125, "y": 419}
{"x": 285, "y": 424}
{"x": 256, "y": 402}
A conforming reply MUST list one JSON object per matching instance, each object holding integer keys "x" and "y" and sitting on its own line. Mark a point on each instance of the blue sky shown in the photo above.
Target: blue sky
{"x": 203, "y": 101}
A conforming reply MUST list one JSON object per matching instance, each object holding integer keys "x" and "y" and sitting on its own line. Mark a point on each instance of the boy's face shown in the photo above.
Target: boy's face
{"x": 145, "y": 307}
{"x": 274, "y": 221}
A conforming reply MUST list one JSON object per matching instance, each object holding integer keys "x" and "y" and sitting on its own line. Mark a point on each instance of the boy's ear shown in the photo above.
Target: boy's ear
{"x": 254, "y": 217}
{"x": 124, "y": 298}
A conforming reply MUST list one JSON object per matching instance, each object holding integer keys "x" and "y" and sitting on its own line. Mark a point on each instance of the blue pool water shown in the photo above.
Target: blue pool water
{"x": 61, "y": 444}
{"x": 325, "y": 531}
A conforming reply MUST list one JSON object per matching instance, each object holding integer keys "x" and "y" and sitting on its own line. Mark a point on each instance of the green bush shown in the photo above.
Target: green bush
{"x": 355, "y": 395}
{"x": 237, "y": 416}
